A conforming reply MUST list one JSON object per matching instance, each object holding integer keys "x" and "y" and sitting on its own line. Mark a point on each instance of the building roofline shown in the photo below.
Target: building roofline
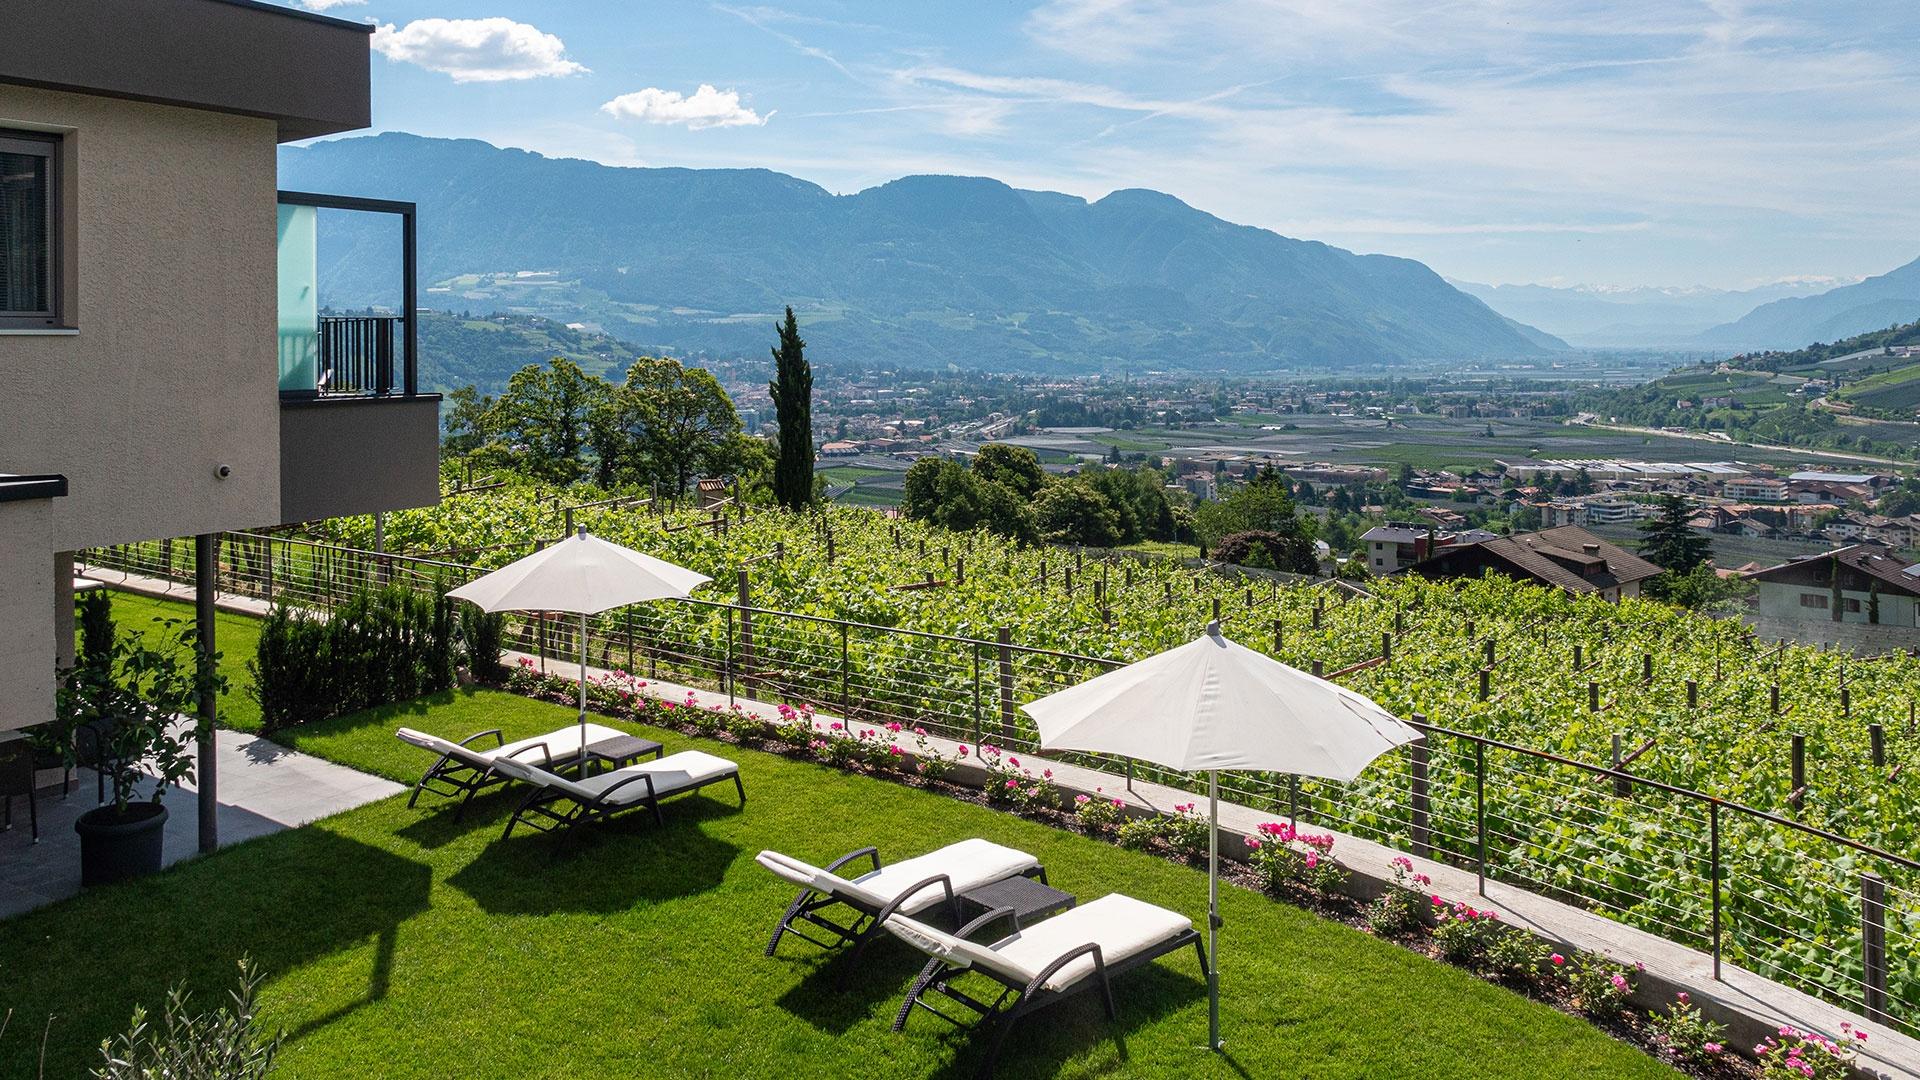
{"x": 296, "y": 13}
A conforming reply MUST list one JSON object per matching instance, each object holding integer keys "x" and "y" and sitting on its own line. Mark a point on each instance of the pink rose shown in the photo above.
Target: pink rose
{"x": 1558, "y": 960}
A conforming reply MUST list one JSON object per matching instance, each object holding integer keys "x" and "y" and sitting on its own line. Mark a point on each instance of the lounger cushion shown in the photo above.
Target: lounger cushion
{"x": 1120, "y": 925}
{"x": 969, "y": 864}
{"x": 675, "y": 772}
{"x": 561, "y": 744}
{"x": 789, "y": 869}
{"x": 956, "y": 951}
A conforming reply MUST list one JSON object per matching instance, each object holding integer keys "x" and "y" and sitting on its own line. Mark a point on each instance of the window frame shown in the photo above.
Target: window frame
{"x": 46, "y": 145}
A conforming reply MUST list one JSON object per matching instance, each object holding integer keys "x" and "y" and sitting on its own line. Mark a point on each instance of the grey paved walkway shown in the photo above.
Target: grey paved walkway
{"x": 263, "y": 788}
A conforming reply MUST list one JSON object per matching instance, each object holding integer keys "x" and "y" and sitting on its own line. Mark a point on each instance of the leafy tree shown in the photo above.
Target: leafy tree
{"x": 1268, "y": 551}
{"x": 1264, "y": 505}
{"x": 466, "y": 422}
{"x": 792, "y": 390}
{"x": 1015, "y": 466}
{"x": 675, "y": 422}
{"x": 1670, "y": 542}
{"x": 941, "y": 492}
{"x": 1139, "y": 496}
{"x": 544, "y": 417}
{"x": 1072, "y": 512}
{"x": 1699, "y": 589}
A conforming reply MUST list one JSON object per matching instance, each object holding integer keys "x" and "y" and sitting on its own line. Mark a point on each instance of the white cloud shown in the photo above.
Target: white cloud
{"x": 323, "y": 5}
{"x": 704, "y": 108}
{"x": 476, "y": 50}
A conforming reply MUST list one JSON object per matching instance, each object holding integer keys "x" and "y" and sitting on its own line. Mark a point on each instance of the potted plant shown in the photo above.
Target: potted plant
{"x": 117, "y": 708}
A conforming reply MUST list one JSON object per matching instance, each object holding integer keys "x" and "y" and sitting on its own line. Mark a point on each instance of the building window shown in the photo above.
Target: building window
{"x": 1813, "y": 600}
{"x": 29, "y": 230}
{"x": 1852, "y": 604}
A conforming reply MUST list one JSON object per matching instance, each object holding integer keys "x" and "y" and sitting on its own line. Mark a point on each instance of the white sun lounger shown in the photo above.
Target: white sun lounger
{"x": 908, "y": 887}
{"x": 1079, "y": 949}
{"x": 465, "y": 769}
{"x": 557, "y": 802}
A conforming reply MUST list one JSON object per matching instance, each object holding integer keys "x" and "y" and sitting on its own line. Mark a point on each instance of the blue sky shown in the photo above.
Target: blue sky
{"x": 1613, "y": 142}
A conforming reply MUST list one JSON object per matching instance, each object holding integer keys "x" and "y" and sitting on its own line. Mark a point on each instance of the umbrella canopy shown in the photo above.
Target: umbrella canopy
{"x": 1216, "y": 704}
{"x": 1209, "y": 705}
{"x": 581, "y": 575}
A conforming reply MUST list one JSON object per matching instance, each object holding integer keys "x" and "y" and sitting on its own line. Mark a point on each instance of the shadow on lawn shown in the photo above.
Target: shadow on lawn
{"x": 604, "y": 867}
{"x": 879, "y": 976}
{"x": 1043, "y": 1043}
{"x": 286, "y": 900}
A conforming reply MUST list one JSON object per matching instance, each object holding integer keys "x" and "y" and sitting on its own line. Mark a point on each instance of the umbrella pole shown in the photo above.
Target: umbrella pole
{"x": 583, "y": 693}
{"x": 1214, "y": 1041}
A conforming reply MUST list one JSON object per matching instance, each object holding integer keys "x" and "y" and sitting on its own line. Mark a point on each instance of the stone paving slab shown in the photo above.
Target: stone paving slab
{"x": 263, "y": 788}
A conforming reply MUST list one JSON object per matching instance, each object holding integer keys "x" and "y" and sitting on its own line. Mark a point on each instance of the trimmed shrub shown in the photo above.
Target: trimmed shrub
{"x": 381, "y": 646}
{"x": 485, "y": 634}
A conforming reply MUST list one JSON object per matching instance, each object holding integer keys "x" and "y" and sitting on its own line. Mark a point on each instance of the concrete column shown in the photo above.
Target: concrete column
{"x": 27, "y": 630}
{"x": 205, "y": 564}
{"x": 63, "y": 643}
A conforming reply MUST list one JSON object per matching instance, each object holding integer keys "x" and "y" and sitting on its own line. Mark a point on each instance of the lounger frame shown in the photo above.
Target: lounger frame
{"x": 859, "y": 932}
{"x": 1032, "y": 996}
{"x": 455, "y": 777}
{"x": 548, "y": 809}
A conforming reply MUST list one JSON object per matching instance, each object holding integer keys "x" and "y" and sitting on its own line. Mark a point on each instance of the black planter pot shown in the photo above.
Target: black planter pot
{"x": 114, "y": 847}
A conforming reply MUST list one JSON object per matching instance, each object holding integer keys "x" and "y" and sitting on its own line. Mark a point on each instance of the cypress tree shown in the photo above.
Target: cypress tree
{"x": 792, "y": 390}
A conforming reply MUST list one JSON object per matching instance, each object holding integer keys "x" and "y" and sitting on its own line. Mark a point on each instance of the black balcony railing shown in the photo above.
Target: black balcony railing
{"x": 371, "y": 355}
{"x": 356, "y": 355}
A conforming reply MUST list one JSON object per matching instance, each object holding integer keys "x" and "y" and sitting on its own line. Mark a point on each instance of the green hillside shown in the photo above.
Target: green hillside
{"x": 483, "y": 350}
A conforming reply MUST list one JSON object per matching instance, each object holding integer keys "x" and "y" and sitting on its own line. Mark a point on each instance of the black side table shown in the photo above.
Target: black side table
{"x": 622, "y": 750}
{"x": 1030, "y": 899}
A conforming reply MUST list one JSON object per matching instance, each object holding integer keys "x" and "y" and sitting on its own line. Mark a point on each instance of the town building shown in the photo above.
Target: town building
{"x": 1397, "y": 545}
{"x": 1569, "y": 558}
{"x": 1858, "y": 583}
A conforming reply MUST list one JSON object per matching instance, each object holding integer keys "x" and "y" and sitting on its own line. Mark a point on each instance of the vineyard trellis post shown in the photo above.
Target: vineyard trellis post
{"x": 1877, "y": 745}
{"x": 1798, "y": 766}
{"x": 1873, "y": 945}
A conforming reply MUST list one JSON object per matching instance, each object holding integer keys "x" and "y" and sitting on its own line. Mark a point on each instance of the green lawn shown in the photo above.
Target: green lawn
{"x": 404, "y": 944}
{"x": 237, "y": 637}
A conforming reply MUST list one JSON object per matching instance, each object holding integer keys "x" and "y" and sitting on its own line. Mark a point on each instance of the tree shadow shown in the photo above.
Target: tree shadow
{"x": 604, "y": 867}
{"x": 440, "y": 823}
{"x": 285, "y": 900}
{"x": 1045, "y": 1041}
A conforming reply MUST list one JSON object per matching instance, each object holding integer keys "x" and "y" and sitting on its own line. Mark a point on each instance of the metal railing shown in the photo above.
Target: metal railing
{"x": 356, "y": 355}
{"x": 1808, "y": 907}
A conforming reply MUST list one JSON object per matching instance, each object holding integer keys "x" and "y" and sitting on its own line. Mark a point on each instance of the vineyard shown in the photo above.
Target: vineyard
{"x": 875, "y": 618}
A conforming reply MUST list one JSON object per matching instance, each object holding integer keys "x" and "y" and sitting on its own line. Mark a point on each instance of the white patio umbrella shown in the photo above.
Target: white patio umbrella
{"x": 1212, "y": 704}
{"x": 581, "y": 575}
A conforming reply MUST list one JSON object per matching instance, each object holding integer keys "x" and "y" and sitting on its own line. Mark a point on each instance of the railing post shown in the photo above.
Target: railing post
{"x": 1004, "y": 638}
{"x": 1417, "y": 769}
{"x": 629, "y": 621}
{"x": 745, "y": 589}
{"x": 975, "y": 650}
{"x": 1713, "y": 875}
{"x": 1293, "y": 801}
{"x": 729, "y": 668}
{"x": 1480, "y": 812}
{"x": 1873, "y": 945}
{"x": 1622, "y": 787}
{"x": 269, "y": 545}
{"x": 846, "y": 699}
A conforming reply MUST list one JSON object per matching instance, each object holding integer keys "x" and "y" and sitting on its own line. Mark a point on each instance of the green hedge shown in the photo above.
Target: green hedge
{"x": 382, "y": 646}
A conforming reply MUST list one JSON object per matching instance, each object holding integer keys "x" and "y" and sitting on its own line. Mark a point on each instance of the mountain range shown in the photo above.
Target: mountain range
{"x": 1654, "y": 317}
{"x": 1873, "y": 304}
{"x": 923, "y": 271}
{"x": 1784, "y": 315}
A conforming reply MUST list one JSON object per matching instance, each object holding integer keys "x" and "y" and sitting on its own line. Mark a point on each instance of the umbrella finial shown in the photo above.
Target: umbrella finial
{"x": 1213, "y": 628}
{"x": 582, "y": 533}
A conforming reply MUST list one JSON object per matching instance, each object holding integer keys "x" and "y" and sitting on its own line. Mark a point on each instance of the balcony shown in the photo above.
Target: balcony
{"x": 356, "y": 434}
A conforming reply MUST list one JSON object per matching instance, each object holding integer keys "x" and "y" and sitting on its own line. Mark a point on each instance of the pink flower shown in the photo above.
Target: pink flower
{"x": 963, "y": 750}
{"x": 894, "y": 750}
{"x": 893, "y": 725}
{"x": 1619, "y": 982}
{"x": 835, "y": 726}
{"x": 1558, "y": 960}
{"x": 1253, "y": 844}
{"x": 1313, "y": 860}
{"x": 1711, "y": 1048}
{"x": 1403, "y": 862}
{"x": 920, "y": 731}
{"x": 1048, "y": 773}
{"x": 1682, "y": 997}
{"x": 1081, "y": 800}
{"x": 1013, "y": 783}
